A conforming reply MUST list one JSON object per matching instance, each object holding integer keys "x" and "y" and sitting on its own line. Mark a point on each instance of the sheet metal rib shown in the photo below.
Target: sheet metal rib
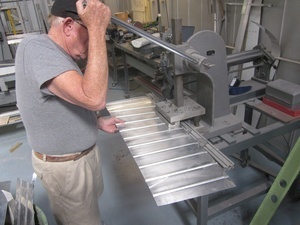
{"x": 172, "y": 163}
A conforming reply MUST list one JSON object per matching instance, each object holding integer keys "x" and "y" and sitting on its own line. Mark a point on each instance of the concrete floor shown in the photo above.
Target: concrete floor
{"x": 126, "y": 199}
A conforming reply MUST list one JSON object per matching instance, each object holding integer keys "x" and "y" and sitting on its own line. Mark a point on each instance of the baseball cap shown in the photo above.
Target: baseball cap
{"x": 65, "y": 8}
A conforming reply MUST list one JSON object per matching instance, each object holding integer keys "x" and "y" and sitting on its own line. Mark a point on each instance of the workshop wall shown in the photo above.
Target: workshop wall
{"x": 278, "y": 17}
{"x": 198, "y": 13}
{"x": 283, "y": 21}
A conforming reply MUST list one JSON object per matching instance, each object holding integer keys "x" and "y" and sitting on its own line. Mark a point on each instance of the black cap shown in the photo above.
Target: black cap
{"x": 65, "y": 8}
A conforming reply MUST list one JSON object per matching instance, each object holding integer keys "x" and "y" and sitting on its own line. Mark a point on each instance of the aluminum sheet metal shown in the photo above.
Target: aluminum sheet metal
{"x": 172, "y": 163}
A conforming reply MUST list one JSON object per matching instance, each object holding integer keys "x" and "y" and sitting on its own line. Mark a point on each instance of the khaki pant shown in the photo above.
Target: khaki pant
{"x": 73, "y": 188}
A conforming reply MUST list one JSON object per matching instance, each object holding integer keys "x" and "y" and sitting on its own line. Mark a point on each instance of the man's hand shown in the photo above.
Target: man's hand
{"x": 108, "y": 124}
{"x": 94, "y": 14}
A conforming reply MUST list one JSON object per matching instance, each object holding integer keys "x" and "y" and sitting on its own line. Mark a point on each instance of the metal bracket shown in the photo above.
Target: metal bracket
{"x": 221, "y": 158}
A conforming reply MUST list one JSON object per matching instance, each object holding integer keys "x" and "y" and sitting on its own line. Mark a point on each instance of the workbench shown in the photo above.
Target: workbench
{"x": 140, "y": 59}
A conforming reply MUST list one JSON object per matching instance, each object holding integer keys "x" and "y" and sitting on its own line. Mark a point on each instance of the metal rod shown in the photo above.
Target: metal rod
{"x": 153, "y": 39}
{"x": 159, "y": 16}
{"x": 246, "y": 68}
{"x": 257, "y": 5}
{"x": 288, "y": 60}
{"x": 243, "y": 57}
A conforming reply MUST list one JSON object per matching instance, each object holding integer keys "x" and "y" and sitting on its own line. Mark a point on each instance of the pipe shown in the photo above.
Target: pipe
{"x": 159, "y": 16}
{"x": 153, "y": 39}
{"x": 243, "y": 57}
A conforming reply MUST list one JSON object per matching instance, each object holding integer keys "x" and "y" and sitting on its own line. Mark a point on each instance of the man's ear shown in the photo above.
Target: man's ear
{"x": 68, "y": 25}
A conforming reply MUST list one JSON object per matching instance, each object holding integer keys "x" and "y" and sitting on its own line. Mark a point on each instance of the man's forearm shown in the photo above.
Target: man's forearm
{"x": 96, "y": 73}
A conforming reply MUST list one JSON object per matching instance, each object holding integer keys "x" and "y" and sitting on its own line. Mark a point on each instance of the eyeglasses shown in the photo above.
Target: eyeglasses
{"x": 80, "y": 23}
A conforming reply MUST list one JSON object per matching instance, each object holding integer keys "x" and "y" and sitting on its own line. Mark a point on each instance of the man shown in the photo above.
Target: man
{"x": 58, "y": 106}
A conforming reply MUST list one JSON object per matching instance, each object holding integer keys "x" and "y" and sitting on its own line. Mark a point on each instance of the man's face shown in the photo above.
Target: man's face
{"x": 79, "y": 40}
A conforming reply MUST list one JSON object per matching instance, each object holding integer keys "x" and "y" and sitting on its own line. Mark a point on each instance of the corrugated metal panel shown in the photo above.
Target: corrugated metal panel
{"x": 172, "y": 163}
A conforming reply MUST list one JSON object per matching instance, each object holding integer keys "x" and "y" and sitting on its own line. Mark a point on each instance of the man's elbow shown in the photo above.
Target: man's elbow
{"x": 98, "y": 105}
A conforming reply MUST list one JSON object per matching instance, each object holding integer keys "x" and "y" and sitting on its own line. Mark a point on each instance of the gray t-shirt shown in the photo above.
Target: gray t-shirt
{"x": 53, "y": 126}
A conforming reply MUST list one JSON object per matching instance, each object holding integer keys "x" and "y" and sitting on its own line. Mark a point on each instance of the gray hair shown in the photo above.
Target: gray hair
{"x": 54, "y": 20}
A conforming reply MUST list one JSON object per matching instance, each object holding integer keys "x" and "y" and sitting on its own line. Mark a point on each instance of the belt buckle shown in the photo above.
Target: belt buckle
{"x": 44, "y": 158}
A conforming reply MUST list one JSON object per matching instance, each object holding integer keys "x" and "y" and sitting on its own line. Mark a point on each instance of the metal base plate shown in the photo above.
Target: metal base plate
{"x": 173, "y": 113}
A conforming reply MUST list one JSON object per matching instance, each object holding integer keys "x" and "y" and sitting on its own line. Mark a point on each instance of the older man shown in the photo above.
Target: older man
{"x": 58, "y": 105}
